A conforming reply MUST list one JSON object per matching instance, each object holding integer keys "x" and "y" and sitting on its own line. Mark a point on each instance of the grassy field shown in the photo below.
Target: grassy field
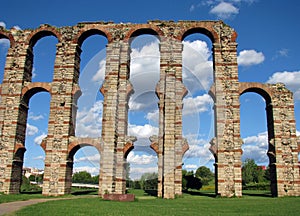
{"x": 255, "y": 203}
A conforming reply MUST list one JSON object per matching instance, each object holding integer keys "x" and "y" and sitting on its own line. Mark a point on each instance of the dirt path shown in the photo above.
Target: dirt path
{"x": 10, "y": 207}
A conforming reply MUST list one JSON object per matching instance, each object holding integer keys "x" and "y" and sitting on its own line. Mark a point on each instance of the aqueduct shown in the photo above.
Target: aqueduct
{"x": 114, "y": 143}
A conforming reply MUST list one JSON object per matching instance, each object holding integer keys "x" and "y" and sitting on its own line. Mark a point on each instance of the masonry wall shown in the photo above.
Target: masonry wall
{"x": 114, "y": 143}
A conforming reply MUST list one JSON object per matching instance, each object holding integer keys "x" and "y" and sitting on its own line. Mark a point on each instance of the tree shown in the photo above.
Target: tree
{"x": 149, "y": 181}
{"x": 82, "y": 177}
{"x": 189, "y": 181}
{"x": 204, "y": 174}
{"x": 252, "y": 173}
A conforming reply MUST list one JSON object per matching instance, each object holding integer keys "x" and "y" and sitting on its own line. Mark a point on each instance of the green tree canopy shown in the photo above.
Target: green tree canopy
{"x": 204, "y": 174}
{"x": 251, "y": 173}
{"x": 82, "y": 177}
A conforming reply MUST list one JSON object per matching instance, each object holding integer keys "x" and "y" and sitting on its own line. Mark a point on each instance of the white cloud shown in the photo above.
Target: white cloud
{"x": 91, "y": 158}
{"x": 38, "y": 140}
{"x": 142, "y": 131}
{"x": 93, "y": 170}
{"x": 2, "y": 24}
{"x": 190, "y": 166}
{"x": 198, "y": 104}
{"x": 153, "y": 116}
{"x": 35, "y": 117}
{"x": 137, "y": 172}
{"x": 39, "y": 158}
{"x": 197, "y": 71}
{"x": 143, "y": 159}
{"x": 290, "y": 79}
{"x": 224, "y": 10}
{"x": 31, "y": 130}
{"x": 4, "y": 45}
{"x": 144, "y": 76}
{"x": 89, "y": 122}
{"x": 99, "y": 75}
{"x": 17, "y": 27}
{"x": 250, "y": 57}
{"x": 255, "y": 147}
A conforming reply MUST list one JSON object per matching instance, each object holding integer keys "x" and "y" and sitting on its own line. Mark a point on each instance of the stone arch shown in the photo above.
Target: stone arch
{"x": 211, "y": 35}
{"x": 259, "y": 88}
{"x": 31, "y": 40}
{"x": 85, "y": 33}
{"x": 9, "y": 36}
{"x": 143, "y": 29}
{"x": 33, "y": 88}
{"x": 77, "y": 142}
{"x": 42, "y": 31}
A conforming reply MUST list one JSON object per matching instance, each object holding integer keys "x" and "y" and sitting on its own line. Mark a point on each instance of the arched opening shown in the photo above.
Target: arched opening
{"x": 90, "y": 103}
{"x": 4, "y": 46}
{"x": 85, "y": 162}
{"x": 256, "y": 131}
{"x": 43, "y": 57}
{"x": 36, "y": 124}
{"x": 143, "y": 109}
{"x": 197, "y": 114}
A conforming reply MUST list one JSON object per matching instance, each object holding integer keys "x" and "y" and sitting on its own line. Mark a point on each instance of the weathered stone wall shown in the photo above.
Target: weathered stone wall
{"x": 114, "y": 143}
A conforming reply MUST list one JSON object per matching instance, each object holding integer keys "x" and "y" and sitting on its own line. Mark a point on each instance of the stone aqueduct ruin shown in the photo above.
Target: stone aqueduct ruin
{"x": 114, "y": 144}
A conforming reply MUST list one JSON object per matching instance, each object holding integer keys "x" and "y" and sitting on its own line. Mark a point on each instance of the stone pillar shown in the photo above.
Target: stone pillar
{"x": 58, "y": 169}
{"x": 109, "y": 89}
{"x": 227, "y": 126}
{"x": 124, "y": 91}
{"x": 285, "y": 144}
{"x": 170, "y": 91}
{"x": 13, "y": 115}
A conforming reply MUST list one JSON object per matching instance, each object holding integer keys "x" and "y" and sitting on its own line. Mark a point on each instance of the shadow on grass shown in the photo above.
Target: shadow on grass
{"x": 31, "y": 192}
{"x": 85, "y": 192}
{"x": 257, "y": 193}
{"x": 201, "y": 193}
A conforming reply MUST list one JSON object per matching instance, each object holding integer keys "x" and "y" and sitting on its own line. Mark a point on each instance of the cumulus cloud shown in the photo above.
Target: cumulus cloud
{"x": 31, "y": 130}
{"x": 198, "y": 149}
{"x": 255, "y": 147}
{"x": 38, "y": 140}
{"x": 197, "y": 66}
{"x": 290, "y": 79}
{"x": 89, "y": 121}
{"x": 142, "y": 131}
{"x": 198, "y": 104}
{"x": 250, "y": 57}
{"x": 144, "y": 76}
{"x": 99, "y": 75}
{"x": 143, "y": 159}
{"x": 224, "y": 10}
{"x": 2, "y": 24}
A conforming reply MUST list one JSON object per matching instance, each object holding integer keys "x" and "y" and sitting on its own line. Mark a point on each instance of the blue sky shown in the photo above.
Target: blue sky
{"x": 268, "y": 46}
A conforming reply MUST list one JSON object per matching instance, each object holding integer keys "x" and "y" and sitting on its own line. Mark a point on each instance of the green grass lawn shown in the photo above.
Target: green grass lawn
{"x": 198, "y": 204}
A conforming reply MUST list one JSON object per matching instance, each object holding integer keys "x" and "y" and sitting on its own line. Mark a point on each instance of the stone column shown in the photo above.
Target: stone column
{"x": 124, "y": 91}
{"x": 170, "y": 91}
{"x": 13, "y": 113}
{"x": 227, "y": 124}
{"x": 57, "y": 175}
{"x": 285, "y": 144}
{"x": 109, "y": 89}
